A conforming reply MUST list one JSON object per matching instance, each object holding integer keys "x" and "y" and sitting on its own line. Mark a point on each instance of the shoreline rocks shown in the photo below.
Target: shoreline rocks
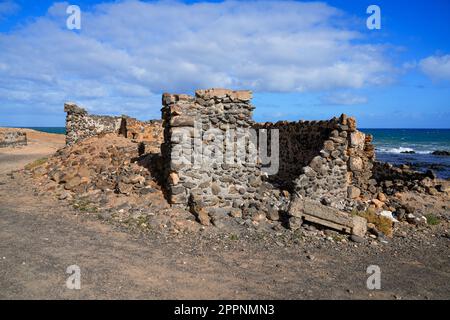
{"x": 441, "y": 153}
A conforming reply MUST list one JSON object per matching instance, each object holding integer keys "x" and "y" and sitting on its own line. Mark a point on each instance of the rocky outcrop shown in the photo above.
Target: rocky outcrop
{"x": 441, "y": 153}
{"x": 391, "y": 179}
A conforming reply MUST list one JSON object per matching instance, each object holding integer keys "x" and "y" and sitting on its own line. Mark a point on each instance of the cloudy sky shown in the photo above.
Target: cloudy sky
{"x": 303, "y": 60}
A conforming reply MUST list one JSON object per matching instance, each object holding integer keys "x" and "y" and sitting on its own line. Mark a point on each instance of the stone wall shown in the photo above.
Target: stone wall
{"x": 361, "y": 154}
{"x": 81, "y": 125}
{"x": 299, "y": 143}
{"x": 150, "y": 133}
{"x": 341, "y": 168}
{"x": 327, "y": 161}
{"x": 200, "y": 150}
{"x": 209, "y": 145}
{"x": 12, "y": 138}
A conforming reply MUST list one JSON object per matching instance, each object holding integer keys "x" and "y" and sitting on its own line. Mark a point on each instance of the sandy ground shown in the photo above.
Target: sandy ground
{"x": 40, "y": 145}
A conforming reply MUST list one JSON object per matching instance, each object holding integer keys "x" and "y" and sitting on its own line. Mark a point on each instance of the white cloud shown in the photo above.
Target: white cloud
{"x": 343, "y": 98}
{"x": 138, "y": 49}
{"x": 436, "y": 67}
{"x": 7, "y": 8}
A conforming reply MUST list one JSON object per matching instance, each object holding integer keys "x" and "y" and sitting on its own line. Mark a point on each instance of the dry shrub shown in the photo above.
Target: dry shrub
{"x": 382, "y": 223}
{"x": 36, "y": 163}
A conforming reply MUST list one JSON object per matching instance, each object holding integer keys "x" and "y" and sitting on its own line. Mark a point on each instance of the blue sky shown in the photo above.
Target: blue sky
{"x": 303, "y": 60}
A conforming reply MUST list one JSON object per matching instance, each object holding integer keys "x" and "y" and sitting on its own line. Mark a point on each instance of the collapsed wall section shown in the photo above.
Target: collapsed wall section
{"x": 81, "y": 125}
{"x": 299, "y": 143}
{"x": 340, "y": 167}
{"x": 150, "y": 133}
{"x": 327, "y": 161}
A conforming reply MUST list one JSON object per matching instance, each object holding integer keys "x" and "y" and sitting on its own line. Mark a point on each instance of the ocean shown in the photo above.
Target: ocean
{"x": 413, "y": 147}
{"x": 391, "y": 145}
{"x": 59, "y": 130}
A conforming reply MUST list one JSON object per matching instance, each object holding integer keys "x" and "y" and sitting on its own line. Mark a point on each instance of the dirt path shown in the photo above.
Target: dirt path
{"x": 40, "y": 238}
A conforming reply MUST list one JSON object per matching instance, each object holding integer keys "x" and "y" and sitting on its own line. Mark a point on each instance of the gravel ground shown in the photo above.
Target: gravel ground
{"x": 40, "y": 237}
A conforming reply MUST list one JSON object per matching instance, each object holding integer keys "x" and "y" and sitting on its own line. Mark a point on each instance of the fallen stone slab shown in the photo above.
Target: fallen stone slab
{"x": 333, "y": 218}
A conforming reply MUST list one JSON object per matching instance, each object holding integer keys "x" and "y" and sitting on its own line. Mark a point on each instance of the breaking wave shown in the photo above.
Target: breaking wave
{"x": 402, "y": 150}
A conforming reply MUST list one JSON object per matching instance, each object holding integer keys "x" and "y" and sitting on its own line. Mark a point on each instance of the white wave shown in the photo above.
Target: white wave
{"x": 403, "y": 150}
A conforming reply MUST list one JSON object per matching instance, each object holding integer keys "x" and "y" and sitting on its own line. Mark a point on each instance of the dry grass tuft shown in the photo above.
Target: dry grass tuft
{"x": 36, "y": 163}
{"x": 382, "y": 224}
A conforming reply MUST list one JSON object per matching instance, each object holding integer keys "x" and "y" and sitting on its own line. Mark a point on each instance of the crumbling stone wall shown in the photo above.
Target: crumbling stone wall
{"x": 299, "y": 143}
{"x": 12, "y": 138}
{"x": 326, "y": 161}
{"x": 149, "y": 133}
{"x": 81, "y": 125}
{"x": 361, "y": 154}
{"x": 209, "y": 155}
{"x": 342, "y": 165}
{"x": 199, "y": 125}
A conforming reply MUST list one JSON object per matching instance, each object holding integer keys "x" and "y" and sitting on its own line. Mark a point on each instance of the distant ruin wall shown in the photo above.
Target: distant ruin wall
{"x": 12, "y": 138}
{"x": 81, "y": 125}
{"x": 150, "y": 133}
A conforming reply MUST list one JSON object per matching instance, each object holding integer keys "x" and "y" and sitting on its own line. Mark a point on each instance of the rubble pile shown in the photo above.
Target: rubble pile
{"x": 105, "y": 175}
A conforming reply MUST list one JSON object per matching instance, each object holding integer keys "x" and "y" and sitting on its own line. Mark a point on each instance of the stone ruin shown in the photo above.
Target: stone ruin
{"x": 329, "y": 162}
{"x": 81, "y": 125}
{"x": 323, "y": 165}
{"x": 12, "y": 138}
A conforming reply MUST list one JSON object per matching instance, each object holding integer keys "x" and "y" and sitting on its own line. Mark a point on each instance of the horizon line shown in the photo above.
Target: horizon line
{"x": 359, "y": 128}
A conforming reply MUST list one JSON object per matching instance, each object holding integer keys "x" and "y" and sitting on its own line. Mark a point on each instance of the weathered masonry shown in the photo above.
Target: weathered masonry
{"x": 212, "y": 156}
{"x": 12, "y": 138}
{"x": 327, "y": 161}
{"x": 81, "y": 125}
{"x": 200, "y": 160}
